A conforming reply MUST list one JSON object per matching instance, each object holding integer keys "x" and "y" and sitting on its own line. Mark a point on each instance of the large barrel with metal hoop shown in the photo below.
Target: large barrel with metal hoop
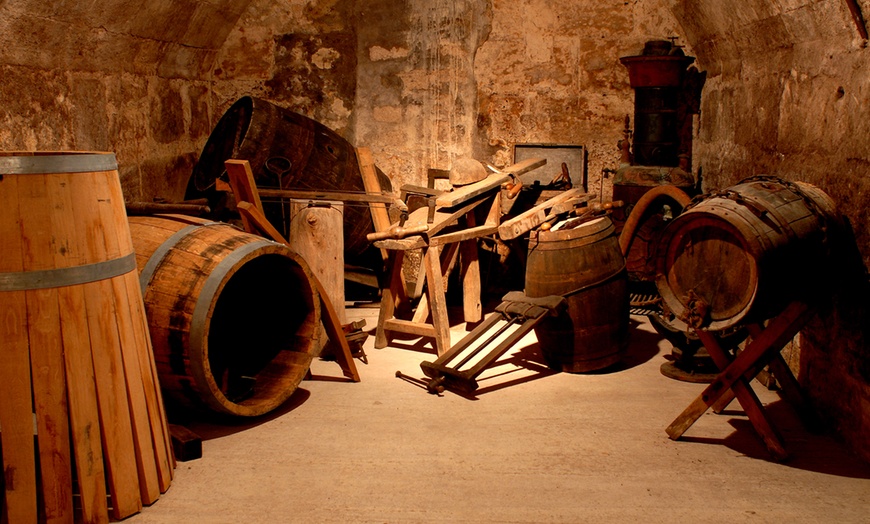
{"x": 287, "y": 150}
{"x": 79, "y": 401}
{"x": 233, "y": 316}
{"x": 586, "y": 266}
{"x": 742, "y": 254}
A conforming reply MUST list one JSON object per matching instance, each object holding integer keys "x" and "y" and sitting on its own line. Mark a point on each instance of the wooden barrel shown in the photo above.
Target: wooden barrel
{"x": 75, "y": 354}
{"x": 584, "y": 265}
{"x": 740, "y": 255}
{"x": 233, "y": 316}
{"x": 287, "y": 150}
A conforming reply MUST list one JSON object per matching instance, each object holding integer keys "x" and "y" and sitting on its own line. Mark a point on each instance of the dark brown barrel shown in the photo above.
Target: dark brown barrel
{"x": 287, "y": 150}
{"x": 233, "y": 317}
{"x": 740, "y": 255}
{"x": 585, "y": 265}
{"x": 75, "y": 358}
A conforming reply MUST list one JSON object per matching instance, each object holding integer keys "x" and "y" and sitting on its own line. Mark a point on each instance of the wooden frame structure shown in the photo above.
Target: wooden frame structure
{"x": 733, "y": 380}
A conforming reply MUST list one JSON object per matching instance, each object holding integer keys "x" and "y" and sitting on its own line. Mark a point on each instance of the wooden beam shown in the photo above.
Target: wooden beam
{"x": 303, "y": 194}
{"x": 380, "y": 216}
{"x": 243, "y": 186}
{"x": 534, "y": 217}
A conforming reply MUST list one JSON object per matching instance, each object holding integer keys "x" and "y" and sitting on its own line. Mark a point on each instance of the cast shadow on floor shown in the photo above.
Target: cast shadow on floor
{"x": 527, "y": 363}
{"x": 818, "y": 452}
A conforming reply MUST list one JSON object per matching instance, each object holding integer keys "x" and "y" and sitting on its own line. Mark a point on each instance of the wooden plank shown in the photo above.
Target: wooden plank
{"x": 448, "y": 262}
{"x": 16, "y": 408}
{"x": 390, "y": 297}
{"x": 437, "y": 299}
{"x": 469, "y": 270}
{"x": 307, "y": 194}
{"x": 81, "y": 392}
{"x": 316, "y": 234}
{"x": 470, "y": 275}
{"x": 46, "y": 353}
{"x": 344, "y": 358}
{"x": 83, "y": 409}
{"x": 159, "y": 425}
{"x": 118, "y": 243}
{"x": 243, "y": 185}
{"x": 258, "y": 222}
{"x": 532, "y": 218}
{"x": 154, "y": 422}
{"x": 464, "y": 194}
{"x": 186, "y": 445}
{"x": 463, "y": 235}
{"x": 131, "y": 346}
{"x": 112, "y": 399}
{"x": 411, "y": 327}
{"x": 524, "y": 166}
{"x": 368, "y": 171}
{"x": 418, "y": 217}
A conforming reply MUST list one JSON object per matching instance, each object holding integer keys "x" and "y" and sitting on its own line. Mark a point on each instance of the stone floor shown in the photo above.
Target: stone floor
{"x": 530, "y": 446}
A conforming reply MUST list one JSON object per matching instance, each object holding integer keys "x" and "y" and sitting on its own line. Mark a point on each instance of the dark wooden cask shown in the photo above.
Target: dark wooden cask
{"x": 586, "y": 266}
{"x": 742, "y": 254}
{"x": 233, "y": 317}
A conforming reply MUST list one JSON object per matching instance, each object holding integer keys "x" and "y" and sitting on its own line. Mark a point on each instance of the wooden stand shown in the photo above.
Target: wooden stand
{"x": 439, "y": 257}
{"x": 733, "y": 380}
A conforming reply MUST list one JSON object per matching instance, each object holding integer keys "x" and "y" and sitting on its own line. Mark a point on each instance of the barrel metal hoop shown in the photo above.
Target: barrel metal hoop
{"x": 67, "y": 276}
{"x": 598, "y": 282}
{"x": 202, "y": 308}
{"x": 147, "y": 273}
{"x": 59, "y": 163}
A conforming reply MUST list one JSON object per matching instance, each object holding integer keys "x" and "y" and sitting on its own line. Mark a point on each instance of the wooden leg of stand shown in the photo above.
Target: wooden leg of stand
{"x": 470, "y": 275}
{"x": 332, "y": 323}
{"x": 733, "y": 372}
{"x": 724, "y": 401}
{"x": 437, "y": 299}
{"x": 745, "y": 395}
{"x": 389, "y": 297}
{"x": 780, "y": 330}
{"x": 448, "y": 260}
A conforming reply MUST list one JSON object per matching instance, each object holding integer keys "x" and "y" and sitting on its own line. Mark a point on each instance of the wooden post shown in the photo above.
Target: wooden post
{"x": 316, "y": 233}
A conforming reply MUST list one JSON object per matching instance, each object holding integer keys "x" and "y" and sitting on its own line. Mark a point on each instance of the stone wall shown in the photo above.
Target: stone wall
{"x": 113, "y": 76}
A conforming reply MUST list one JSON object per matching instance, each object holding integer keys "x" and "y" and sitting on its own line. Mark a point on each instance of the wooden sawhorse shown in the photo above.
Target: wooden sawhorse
{"x": 426, "y": 229}
{"x": 733, "y": 380}
{"x": 439, "y": 257}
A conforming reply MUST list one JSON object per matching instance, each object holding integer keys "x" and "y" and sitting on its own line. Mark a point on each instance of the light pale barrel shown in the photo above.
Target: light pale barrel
{"x": 75, "y": 351}
{"x": 233, "y": 317}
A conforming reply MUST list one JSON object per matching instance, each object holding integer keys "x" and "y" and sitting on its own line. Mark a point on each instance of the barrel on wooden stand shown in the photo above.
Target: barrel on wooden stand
{"x": 586, "y": 266}
{"x": 233, "y": 316}
{"x": 76, "y": 356}
{"x": 742, "y": 254}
